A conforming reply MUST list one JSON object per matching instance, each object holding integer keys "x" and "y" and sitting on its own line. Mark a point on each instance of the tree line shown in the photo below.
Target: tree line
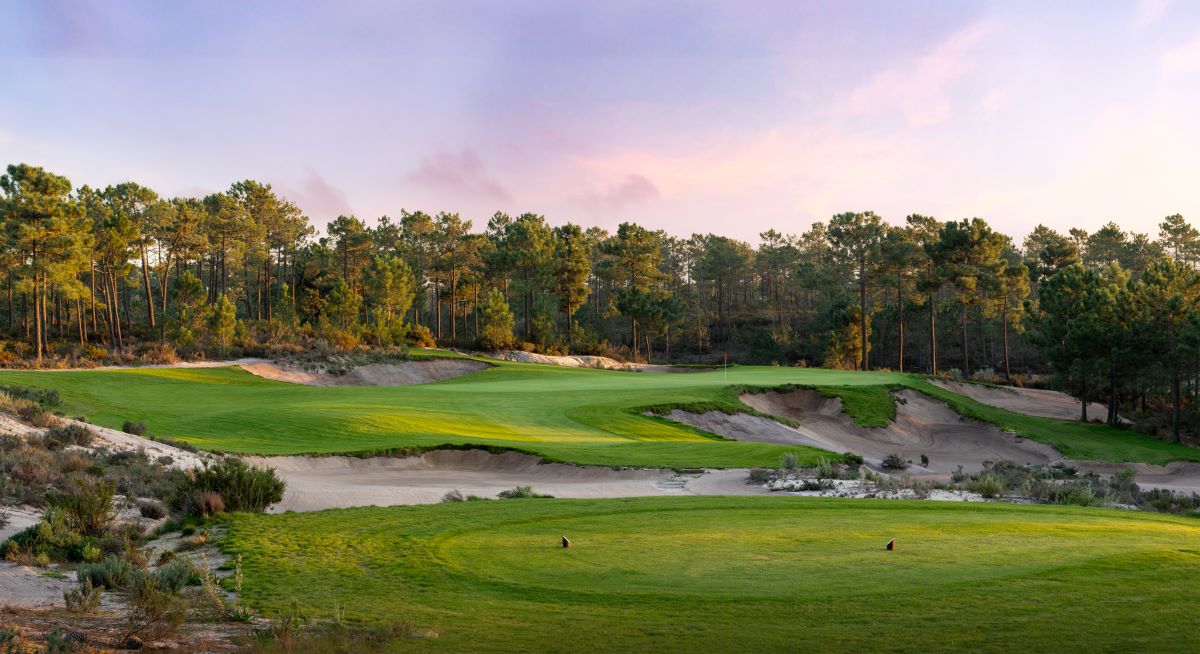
{"x": 1111, "y": 313}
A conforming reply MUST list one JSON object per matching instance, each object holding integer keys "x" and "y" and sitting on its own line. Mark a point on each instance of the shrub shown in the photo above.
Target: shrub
{"x": 759, "y": 476}
{"x": 113, "y": 573}
{"x": 894, "y": 462}
{"x": 89, "y": 509}
{"x": 205, "y": 502}
{"x": 852, "y": 459}
{"x": 68, "y": 434}
{"x": 36, "y": 416}
{"x": 987, "y": 485}
{"x": 175, "y": 574}
{"x": 152, "y": 509}
{"x": 154, "y": 612}
{"x": 924, "y": 460}
{"x": 85, "y": 599}
{"x": 520, "y": 492}
{"x": 454, "y": 495}
{"x": 241, "y": 487}
{"x": 135, "y": 428}
{"x": 788, "y": 461}
{"x": 45, "y": 397}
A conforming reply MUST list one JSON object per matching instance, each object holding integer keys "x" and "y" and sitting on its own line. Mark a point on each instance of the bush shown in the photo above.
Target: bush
{"x": 89, "y": 509}
{"x": 36, "y": 416}
{"x": 239, "y": 486}
{"x": 135, "y": 428}
{"x": 176, "y": 574}
{"x": 154, "y": 612}
{"x": 788, "y": 461}
{"x": 70, "y": 434}
{"x": 205, "y": 502}
{"x": 454, "y": 495}
{"x": 759, "y": 476}
{"x": 894, "y": 462}
{"x": 152, "y": 509}
{"x": 113, "y": 573}
{"x": 520, "y": 492}
{"x": 85, "y": 599}
{"x": 852, "y": 459}
{"x": 987, "y": 485}
{"x": 44, "y": 397}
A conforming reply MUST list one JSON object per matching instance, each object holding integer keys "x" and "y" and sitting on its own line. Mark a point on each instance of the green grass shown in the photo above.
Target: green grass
{"x": 567, "y": 414}
{"x": 703, "y": 574}
{"x": 563, "y": 414}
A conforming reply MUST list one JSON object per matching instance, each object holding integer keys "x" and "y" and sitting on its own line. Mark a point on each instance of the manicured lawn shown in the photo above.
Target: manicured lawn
{"x": 705, "y": 574}
{"x": 568, "y": 414}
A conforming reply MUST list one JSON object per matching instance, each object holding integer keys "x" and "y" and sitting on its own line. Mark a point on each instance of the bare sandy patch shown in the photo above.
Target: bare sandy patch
{"x": 374, "y": 374}
{"x": 923, "y": 426}
{"x": 1029, "y": 401}
{"x": 315, "y": 483}
{"x": 589, "y": 361}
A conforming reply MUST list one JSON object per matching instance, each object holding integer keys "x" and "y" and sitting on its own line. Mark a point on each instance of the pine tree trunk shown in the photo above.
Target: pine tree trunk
{"x": 146, "y": 283}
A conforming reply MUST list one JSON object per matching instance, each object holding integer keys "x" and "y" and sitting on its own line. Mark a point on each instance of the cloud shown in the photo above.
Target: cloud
{"x": 316, "y": 197}
{"x": 462, "y": 172}
{"x": 1183, "y": 59}
{"x": 994, "y": 100}
{"x": 631, "y": 191}
{"x": 919, "y": 89}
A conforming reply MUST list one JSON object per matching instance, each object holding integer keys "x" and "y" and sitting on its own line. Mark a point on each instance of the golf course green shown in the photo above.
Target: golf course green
{"x": 694, "y": 574}
{"x": 566, "y": 414}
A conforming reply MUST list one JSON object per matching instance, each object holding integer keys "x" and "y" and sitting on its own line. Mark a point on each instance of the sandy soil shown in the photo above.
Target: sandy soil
{"x": 119, "y": 440}
{"x": 922, "y": 426}
{"x": 375, "y": 374}
{"x": 1030, "y": 401}
{"x": 315, "y": 483}
{"x": 21, "y": 585}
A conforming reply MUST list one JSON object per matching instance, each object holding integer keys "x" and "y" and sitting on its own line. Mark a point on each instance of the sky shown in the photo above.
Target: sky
{"x": 692, "y": 117}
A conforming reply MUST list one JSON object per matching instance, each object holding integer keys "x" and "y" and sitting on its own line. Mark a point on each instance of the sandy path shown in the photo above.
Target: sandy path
{"x": 922, "y": 426}
{"x": 1030, "y": 401}
{"x": 374, "y": 374}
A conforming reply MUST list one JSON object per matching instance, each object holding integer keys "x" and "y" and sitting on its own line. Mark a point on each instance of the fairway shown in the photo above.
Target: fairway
{"x": 737, "y": 574}
{"x": 567, "y": 414}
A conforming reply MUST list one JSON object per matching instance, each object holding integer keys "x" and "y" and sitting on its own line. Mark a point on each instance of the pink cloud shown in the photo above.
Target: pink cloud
{"x": 316, "y": 197}
{"x": 631, "y": 191}
{"x": 919, "y": 89}
{"x": 1183, "y": 59}
{"x": 462, "y": 172}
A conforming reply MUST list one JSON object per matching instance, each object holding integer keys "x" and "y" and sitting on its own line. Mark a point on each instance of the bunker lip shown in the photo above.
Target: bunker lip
{"x": 404, "y": 373}
{"x": 1029, "y": 401}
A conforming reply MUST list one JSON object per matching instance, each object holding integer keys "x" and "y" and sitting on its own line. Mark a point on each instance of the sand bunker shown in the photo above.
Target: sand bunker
{"x": 315, "y": 483}
{"x": 1178, "y": 476}
{"x": 375, "y": 374}
{"x": 589, "y": 361}
{"x": 1030, "y": 401}
{"x": 922, "y": 426}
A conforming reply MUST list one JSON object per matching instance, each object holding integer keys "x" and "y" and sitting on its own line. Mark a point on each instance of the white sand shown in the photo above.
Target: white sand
{"x": 1030, "y": 401}
{"x": 375, "y": 374}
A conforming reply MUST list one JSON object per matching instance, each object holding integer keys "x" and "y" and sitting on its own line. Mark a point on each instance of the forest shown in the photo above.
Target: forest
{"x": 96, "y": 275}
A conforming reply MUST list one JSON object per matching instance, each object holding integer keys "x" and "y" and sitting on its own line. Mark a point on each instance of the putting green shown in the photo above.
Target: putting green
{"x": 566, "y": 414}
{"x": 737, "y": 574}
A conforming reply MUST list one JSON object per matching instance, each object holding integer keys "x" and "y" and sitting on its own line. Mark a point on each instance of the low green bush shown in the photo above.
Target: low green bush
{"x": 520, "y": 492}
{"x": 135, "y": 428}
{"x": 112, "y": 573}
{"x": 240, "y": 487}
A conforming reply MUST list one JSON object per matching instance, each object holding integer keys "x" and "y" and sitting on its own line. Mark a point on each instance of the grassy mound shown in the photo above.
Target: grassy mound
{"x": 736, "y": 574}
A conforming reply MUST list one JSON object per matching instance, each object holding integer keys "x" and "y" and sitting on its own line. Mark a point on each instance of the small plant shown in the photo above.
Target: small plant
{"x": 61, "y": 436}
{"x": 759, "y": 476}
{"x": 154, "y": 612}
{"x": 89, "y": 508}
{"x": 112, "y": 573}
{"x": 987, "y": 485}
{"x": 895, "y": 462}
{"x": 135, "y": 428}
{"x": 176, "y": 574}
{"x": 152, "y": 509}
{"x": 520, "y": 492}
{"x": 84, "y": 599}
{"x": 924, "y": 460}
{"x": 454, "y": 495}
{"x": 852, "y": 459}
{"x": 788, "y": 461}
{"x": 241, "y": 487}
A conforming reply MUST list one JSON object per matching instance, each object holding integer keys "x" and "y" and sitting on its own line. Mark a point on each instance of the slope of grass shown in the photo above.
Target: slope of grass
{"x": 737, "y": 574}
{"x": 564, "y": 414}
